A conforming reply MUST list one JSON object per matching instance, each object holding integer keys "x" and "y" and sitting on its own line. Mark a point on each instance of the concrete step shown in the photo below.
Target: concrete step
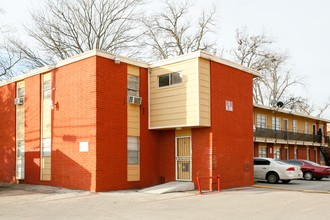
{"x": 175, "y": 186}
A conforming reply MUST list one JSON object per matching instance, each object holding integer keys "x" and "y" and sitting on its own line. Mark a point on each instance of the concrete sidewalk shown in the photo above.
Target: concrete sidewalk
{"x": 43, "y": 202}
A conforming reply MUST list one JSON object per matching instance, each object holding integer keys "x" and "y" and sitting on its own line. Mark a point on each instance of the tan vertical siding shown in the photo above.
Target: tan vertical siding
{"x": 204, "y": 92}
{"x": 133, "y": 127}
{"x": 175, "y": 105}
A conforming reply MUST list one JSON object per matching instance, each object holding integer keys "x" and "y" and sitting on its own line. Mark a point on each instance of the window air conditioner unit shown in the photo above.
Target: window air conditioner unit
{"x": 134, "y": 100}
{"x": 19, "y": 101}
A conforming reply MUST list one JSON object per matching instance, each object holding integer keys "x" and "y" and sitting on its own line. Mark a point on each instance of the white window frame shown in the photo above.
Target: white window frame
{"x": 306, "y": 128}
{"x": 278, "y": 123}
{"x": 277, "y": 153}
{"x": 171, "y": 79}
{"x": 133, "y": 145}
{"x": 261, "y": 121}
{"x": 133, "y": 85}
{"x": 262, "y": 151}
{"x": 294, "y": 126}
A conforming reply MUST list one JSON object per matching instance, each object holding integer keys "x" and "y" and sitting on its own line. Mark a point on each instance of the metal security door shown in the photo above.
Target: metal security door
{"x": 183, "y": 158}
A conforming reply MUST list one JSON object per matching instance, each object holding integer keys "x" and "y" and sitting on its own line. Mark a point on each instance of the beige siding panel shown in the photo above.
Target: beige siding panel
{"x": 46, "y": 168}
{"x": 204, "y": 92}
{"x": 46, "y": 131}
{"x": 176, "y": 104}
{"x": 133, "y": 70}
{"x": 183, "y": 132}
{"x": 133, "y": 120}
{"x": 133, "y": 172}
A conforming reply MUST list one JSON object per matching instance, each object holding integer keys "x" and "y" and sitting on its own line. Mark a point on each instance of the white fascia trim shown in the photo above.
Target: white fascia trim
{"x": 175, "y": 59}
{"x": 122, "y": 59}
{"x": 229, "y": 63}
{"x": 178, "y": 126}
{"x": 204, "y": 55}
{"x": 291, "y": 113}
{"x": 73, "y": 59}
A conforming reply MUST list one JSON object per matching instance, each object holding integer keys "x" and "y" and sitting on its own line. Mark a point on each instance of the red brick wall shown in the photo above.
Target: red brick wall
{"x": 232, "y": 131}
{"x": 7, "y": 133}
{"x": 32, "y": 129}
{"x": 149, "y": 140}
{"x": 202, "y": 155}
{"x": 74, "y": 121}
{"x": 166, "y": 145}
{"x": 112, "y": 130}
{"x": 111, "y": 125}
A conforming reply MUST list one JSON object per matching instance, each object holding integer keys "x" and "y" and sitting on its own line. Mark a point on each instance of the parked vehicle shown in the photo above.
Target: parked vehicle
{"x": 311, "y": 170}
{"x": 274, "y": 170}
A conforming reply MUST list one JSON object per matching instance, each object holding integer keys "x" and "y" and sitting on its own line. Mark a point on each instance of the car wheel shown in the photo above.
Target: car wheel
{"x": 308, "y": 175}
{"x": 318, "y": 178}
{"x": 272, "y": 178}
{"x": 286, "y": 181}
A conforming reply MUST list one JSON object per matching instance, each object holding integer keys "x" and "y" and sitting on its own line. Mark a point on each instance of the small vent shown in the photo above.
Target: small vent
{"x": 134, "y": 100}
{"x": 19, "y": 101}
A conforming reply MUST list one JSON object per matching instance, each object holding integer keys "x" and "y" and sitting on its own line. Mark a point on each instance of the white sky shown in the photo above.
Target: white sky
{"x": 300, "y": 27}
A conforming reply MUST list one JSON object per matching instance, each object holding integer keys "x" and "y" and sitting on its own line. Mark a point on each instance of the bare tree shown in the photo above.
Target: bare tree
{"x": 9, "y": 60}
{"x": 276, "y": 79}
{"x": 61, "y": 29}
{"x": 172, "y": 32}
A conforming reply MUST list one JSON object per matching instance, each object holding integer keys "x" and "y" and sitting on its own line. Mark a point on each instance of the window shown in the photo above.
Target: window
{"x": 229, "y": 106}
{"x": 262, "y": 150}
{"x": 261, "y": 121}
{"x": 277, "y": 153}
{"x": 133, "y": 85}
{"x": 133, "y": 150}
{"x": 47, "y": 92}
{"x": 295, "y": 153}
{"x": 294, "y": 126}
{"x": 306, "y": 128}
{"x": 46, "y": 147}
{"x": 276, "y": 123}
{"x": 169, "y": 79}
{"x": 20, "y": 92}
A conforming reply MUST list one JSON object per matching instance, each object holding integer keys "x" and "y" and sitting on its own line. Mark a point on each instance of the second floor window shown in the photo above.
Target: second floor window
{"x": 133, "y": 85}
{"x": 306, "y": 128}
{"x": 261, "y": 121}
{"x": 276, "y": 123}
{"x": 294, "y": 126}
{"x": 169, "y": 79}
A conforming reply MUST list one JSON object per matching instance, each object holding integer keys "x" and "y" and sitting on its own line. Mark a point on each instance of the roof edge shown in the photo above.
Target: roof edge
{"x": 73, "y": 59}
{"x": 292, "y": 113}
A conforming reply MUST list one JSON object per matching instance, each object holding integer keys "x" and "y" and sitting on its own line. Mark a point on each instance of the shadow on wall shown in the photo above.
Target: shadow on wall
{"x": 68, "y": 173}
{"x": 7, "y": 133}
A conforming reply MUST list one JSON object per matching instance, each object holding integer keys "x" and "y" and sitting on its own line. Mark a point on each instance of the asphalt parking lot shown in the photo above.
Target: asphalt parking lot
{"x": 321, "y": 186}
{"x": 260, "y": 202}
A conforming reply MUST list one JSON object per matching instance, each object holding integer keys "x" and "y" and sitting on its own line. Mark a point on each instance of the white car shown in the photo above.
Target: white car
{"x": 274, "y": 170}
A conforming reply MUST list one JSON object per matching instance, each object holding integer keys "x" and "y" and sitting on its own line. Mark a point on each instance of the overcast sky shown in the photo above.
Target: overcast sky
{"x": 300, "y": 27}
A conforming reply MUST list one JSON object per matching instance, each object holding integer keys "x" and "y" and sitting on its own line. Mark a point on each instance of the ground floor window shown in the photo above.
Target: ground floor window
{"x": 295, "y": 153}
{"x": 133, "y": 150}
{"x": 277, "y": 152}
{"x": 262, "y": 151}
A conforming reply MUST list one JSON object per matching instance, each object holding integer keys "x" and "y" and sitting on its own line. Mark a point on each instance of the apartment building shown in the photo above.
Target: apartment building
{"x": 101, "y": 122}
{"x": 286, "y": 135}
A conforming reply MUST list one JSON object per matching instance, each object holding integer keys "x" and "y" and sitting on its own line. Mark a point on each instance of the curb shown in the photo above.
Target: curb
{"x": 294, "y": 190}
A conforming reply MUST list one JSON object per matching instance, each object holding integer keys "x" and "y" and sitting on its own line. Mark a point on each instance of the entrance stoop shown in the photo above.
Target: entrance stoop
{"x": 174, "y": 186}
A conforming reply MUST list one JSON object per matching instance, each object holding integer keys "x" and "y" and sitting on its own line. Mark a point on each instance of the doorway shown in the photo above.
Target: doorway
{"x": 183, "y": 158}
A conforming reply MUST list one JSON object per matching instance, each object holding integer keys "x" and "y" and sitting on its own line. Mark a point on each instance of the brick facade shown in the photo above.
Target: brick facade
{"x": 90, "y": 105}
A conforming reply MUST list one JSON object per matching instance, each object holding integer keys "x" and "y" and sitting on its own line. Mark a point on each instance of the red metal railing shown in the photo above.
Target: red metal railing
{"x": 209, "y": 177}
